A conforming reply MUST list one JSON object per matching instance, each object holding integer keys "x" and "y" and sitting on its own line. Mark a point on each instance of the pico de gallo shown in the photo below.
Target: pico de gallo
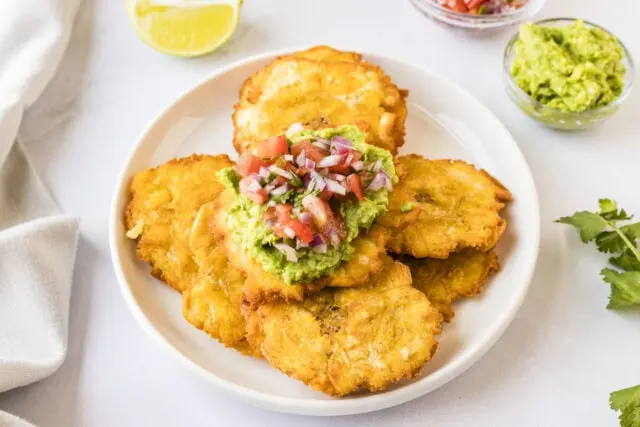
{"x": 483, "y": 7}
{"x": 304, "y": 197}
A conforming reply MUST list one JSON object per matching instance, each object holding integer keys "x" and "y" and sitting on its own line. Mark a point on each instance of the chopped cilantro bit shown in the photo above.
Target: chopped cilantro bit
{"x": 407, "y": 207}
{"x": 296, "y": 182}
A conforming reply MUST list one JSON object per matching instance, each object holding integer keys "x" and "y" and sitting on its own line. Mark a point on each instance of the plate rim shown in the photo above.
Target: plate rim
{"x": 330, "y": 407}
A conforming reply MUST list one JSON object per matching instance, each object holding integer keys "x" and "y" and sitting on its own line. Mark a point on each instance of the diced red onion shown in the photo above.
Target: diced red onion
{"x": 279, "y": 171}
{"x": 288, "y": 251}
{"x": 378, "y": 182}
{"x": 333, "y": 237}
{"x": 289, "y": 232}
{"x": 321, "y": 145}
{"x": 387, "y": 180}
{"x": 301, "y": 159}
{"x": 263, "y": 172}
{"x": 305, "y": 217}
{"x": 377, "y": 165}
{"x": 309, "y": 164}
{"x": 349, "y": 159}
{"x": 269, "y": 188}
{"x": 316, "y": 241}
{"x": 321, "y": 248}
{"x": 320, "y": 183}
{"x": 254, "y": 186}
{"x": 337, "y": 177}
{"x": 357, "y": 165}
{"x": 288, "y": 157}
{"x": 340, "y": 148}
{"x": 279, "y": 191}
{"x": 333, "y": 160}
{"x": 306, "y": 180}
{"x": 322, "y": 141}
{"x": 335, "y": 187}
{"x": 342, "y": 140}
{"x": 271, "y": 204}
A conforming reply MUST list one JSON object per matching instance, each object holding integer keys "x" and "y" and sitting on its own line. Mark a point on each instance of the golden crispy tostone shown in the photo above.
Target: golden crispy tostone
{"x": 454, "y": 206}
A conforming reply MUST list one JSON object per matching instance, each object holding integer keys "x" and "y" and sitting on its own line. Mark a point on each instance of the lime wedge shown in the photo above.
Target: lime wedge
{"x": 183, "y": 27}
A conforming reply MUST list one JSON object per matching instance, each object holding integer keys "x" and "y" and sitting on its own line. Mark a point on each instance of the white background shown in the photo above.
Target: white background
{"x": 554, "y": 366}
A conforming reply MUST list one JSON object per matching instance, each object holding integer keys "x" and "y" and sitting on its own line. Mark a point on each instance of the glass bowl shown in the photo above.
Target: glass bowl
{"x": 476, "y": 23}
{"x": 554, "y": 118}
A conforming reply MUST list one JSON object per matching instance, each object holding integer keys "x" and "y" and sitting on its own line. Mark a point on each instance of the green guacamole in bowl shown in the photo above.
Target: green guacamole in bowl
{"x": 567, "y": 73}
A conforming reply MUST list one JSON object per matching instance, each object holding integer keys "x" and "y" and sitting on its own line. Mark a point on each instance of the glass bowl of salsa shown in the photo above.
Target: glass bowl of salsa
{"x": 566, "y": 73}
{"x": 478, "y": 15}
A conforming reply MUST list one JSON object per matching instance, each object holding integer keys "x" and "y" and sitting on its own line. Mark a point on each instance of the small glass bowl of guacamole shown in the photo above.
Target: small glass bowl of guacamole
{"x": 485, "y": 18}
{"x": 567, "y": 73}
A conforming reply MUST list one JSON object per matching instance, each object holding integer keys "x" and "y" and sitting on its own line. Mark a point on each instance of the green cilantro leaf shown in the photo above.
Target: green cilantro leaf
{"x": 618, "y": 240}
{"x": 609, "y": 211}
{"x": 609, "y": 242}
{"x": 283, "y": 198}
{"x": 407, "y": 207}
{"x": 625, "y": 287}
{"x": 627, "y": 401}
{"x": 626, "y": 261}
{"x": 612, "y": 241}
{"x": 589, "y": 224}
{"x": 632, "y": 231}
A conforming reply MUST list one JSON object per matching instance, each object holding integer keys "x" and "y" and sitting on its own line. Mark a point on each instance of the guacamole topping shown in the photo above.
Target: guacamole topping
{"x": 571, "y": 68}
{"x": 302, "y": 198}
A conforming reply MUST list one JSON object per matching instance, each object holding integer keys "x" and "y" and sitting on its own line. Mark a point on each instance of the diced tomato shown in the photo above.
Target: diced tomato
{"x": 472, "y": 4}
{"x": 319, "y": 210}
{"x": 283, "y": 211}
{"x": 355, "y": 156}
{"x": 342, "y": 169}
{"x": 354, "y": 185}
{"x": 272, "y": 147}
{"x": 260, "y": 197}
{"x": 248, "y": 164}
{"x": 278, "y": 180}
{"x": 310, "y": 151}
{"x": 457, "y": 5}
{"x": 303, "y": 232}
{"x": 326, "y": 195}
{"x": 281, "y": 216}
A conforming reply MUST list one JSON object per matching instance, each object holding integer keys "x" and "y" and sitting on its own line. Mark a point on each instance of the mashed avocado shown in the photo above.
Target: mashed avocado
{"x": 571, "y": 68}
{"x": 250, "y": 232}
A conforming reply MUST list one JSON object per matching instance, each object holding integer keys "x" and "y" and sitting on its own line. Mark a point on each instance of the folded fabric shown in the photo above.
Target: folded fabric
{"x": 37, "y": 243}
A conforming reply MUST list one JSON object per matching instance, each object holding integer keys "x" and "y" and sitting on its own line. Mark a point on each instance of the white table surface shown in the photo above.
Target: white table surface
{"x": 554, "y": 366}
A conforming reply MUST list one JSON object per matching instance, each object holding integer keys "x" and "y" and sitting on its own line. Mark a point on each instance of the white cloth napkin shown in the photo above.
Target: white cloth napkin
{"x": 37, "y": 243}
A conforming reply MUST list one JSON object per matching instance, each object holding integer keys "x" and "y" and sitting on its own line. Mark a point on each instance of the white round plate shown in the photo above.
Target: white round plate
{"x": 444, "y": 121}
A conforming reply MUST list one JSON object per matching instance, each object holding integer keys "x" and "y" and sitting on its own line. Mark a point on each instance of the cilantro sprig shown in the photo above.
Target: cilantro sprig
{"x": 619, "y": 240}
{"x": 613, "y": 233}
